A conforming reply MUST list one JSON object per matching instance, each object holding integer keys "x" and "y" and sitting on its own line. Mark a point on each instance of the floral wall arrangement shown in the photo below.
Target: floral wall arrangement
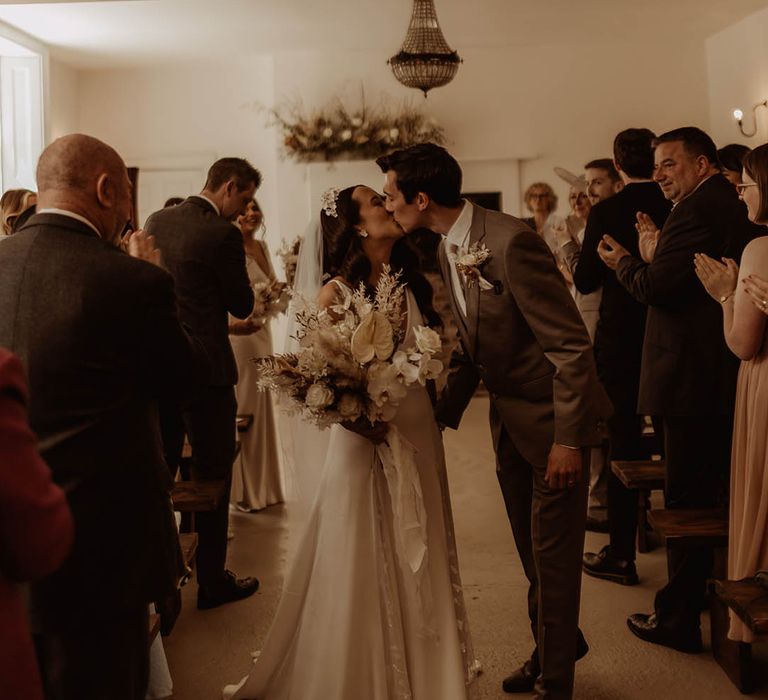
{"x": 336, "y": 132}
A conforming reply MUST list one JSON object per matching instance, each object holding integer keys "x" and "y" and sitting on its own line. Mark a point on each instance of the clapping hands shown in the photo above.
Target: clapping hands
{"x": 611, "y": 251}
{"x": 142, "y": 246}
{"x": 249, "y": 326}
{"x": 648, "y": 236}
{"x": 560, "y": 230}
{"x": 757, "y": 291}
{"x": 718, "y": 278}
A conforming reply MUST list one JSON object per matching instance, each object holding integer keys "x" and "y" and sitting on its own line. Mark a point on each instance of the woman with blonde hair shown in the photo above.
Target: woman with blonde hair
{"x": 13, "y": 203}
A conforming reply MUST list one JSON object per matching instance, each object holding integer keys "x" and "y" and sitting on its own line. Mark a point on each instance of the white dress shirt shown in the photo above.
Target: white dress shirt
{"x": 71, "y": 215}
{"x": 211, "y": 202}
{"x": 456, "y": 244}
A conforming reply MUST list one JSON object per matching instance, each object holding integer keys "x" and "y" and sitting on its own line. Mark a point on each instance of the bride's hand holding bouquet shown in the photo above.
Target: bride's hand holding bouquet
{"x": 347, "y": 368}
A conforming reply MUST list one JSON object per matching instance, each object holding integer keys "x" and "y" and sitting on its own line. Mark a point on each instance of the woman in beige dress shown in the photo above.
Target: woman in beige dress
{"x": 745, "y": 303}
{"x": 257, "y": 478}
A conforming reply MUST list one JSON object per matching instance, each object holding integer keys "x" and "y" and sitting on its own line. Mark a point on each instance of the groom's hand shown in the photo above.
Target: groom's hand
{"x": 564, "y": 467}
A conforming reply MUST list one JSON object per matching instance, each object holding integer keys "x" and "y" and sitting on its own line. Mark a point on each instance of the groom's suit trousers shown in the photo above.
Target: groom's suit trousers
{"x": 548, "y": 526}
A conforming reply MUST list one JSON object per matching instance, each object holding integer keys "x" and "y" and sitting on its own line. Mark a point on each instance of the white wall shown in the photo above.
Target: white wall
{"x": 64, "y": 96}
{"x": 737, "y": 69}
{"x": 549, "y": 105}
{"x": 184, "y": 113}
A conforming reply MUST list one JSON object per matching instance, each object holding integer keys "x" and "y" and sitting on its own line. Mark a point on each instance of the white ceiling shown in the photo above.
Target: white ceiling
{"x": 129, "y": 32}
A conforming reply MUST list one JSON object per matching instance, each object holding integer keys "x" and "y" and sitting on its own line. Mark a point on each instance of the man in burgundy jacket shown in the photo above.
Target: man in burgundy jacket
{"x": 35, "y": 531}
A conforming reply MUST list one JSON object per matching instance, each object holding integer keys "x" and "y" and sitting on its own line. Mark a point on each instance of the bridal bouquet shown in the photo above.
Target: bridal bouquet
{"x": 289, "y": 254}
{"x": 270, "y": 299}
{"x": 347, "y": 366}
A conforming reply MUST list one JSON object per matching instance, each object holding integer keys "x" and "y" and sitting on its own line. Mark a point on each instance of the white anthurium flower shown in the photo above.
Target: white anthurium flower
{"x": 319, "y": 395}
{"x": 427, "y": 340}
{"x": 373, "y": 338}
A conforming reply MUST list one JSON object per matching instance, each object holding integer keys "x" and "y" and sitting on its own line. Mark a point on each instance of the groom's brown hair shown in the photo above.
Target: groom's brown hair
{"x": 427, "y": 168}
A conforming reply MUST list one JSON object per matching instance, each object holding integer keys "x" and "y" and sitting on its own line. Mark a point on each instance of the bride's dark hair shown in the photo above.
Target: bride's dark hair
{"x": 343, "y": 255}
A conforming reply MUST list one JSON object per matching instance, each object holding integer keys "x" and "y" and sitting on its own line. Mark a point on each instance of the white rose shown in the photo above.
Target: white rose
{"x": 350, "y": 406}
{"x": 427, "y": 340}
{"x": 319, "y": 396}
{"x": 394, "y": 133}
{"x": 346, "y": 135}
{"x": 328, "y": 132}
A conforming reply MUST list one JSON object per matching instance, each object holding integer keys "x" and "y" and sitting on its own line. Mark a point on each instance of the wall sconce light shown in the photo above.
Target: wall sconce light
{"x": 738, "y": 115}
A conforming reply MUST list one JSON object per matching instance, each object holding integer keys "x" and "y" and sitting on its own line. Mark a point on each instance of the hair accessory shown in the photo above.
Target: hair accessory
{"x": 328, "y": 200}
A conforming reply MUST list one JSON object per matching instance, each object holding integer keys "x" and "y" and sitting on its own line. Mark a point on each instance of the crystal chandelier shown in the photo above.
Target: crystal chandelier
{"x": 425, "y": 60}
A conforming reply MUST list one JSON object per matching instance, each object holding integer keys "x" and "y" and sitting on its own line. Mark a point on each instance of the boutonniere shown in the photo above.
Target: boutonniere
{"x": 468, "y": 264}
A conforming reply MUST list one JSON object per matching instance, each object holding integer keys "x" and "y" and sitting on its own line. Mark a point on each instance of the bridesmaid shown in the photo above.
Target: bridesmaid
{"x": 745, "y": 303}
{"x": 257, "y": 478}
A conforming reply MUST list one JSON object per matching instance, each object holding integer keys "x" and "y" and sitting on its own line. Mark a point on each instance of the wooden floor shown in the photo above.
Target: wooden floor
{"x": 211, "y": 648}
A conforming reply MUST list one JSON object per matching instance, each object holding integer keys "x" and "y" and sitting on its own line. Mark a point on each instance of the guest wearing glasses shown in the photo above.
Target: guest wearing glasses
{"x": 744, "y": 302}
{"x": 540, "y": 200}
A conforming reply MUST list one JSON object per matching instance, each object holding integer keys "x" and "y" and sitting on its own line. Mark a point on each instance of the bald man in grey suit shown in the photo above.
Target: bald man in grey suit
{"x": 522, "y": 335}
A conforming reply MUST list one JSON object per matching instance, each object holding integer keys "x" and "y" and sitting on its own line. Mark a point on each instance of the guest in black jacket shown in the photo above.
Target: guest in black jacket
{"x": 100, "y": 339}
{"x": 203, "y": 251}
{"x": 619, "y": 336}
{"x": 688, "y": 375}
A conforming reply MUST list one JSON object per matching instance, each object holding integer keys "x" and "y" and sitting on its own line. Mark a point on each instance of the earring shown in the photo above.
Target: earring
{"x": 362, "y": 233}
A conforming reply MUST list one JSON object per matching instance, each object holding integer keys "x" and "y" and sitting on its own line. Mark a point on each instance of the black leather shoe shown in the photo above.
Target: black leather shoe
{"x": 647, "y": 627}
{"x": 524, "y": 678}
{"x": 605, "y": 565}
{"x": 228, "y": 590}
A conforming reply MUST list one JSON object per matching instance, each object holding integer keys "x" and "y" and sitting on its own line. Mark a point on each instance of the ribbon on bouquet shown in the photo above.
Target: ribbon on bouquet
{"x": 409, "y": 517}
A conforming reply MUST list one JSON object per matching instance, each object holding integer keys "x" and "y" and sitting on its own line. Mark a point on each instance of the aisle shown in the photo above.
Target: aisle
{"x": 208, "y": 649}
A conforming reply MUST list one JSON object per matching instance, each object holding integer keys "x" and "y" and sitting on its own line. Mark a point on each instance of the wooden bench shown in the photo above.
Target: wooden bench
{"x": 643, "y": 476}
{"x": 749, "y": 601}
{"x": 197, "y": 496}
{"x": 686, "y": 526}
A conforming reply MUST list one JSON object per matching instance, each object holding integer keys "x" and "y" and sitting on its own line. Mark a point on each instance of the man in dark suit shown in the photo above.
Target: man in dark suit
{"x": 98, "y": 333}
{"x": 688, "y": 375}
{"x": 619, "y": 335}
{"x": 524, "y": 338}
{"x": 204, "y": 253}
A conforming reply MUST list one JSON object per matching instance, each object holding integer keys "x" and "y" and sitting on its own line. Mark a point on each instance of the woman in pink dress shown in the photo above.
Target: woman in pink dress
{"x": 744, "y": 324}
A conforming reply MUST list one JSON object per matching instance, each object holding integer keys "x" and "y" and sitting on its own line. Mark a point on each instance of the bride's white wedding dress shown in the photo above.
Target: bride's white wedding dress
{"x": 353, "y": 621}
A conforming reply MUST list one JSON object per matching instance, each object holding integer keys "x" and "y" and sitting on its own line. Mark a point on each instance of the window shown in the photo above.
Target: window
{"x": 21, "y": 114}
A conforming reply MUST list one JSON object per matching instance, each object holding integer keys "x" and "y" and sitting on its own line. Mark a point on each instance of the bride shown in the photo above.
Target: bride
{"x": 352, "y": 623}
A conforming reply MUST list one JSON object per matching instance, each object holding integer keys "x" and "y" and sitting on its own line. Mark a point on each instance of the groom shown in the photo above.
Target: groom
{"x": 522, "y": 335}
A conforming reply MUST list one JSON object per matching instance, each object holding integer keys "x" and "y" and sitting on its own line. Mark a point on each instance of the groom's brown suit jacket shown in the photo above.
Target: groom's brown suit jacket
{"x": 526, "y": 341}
